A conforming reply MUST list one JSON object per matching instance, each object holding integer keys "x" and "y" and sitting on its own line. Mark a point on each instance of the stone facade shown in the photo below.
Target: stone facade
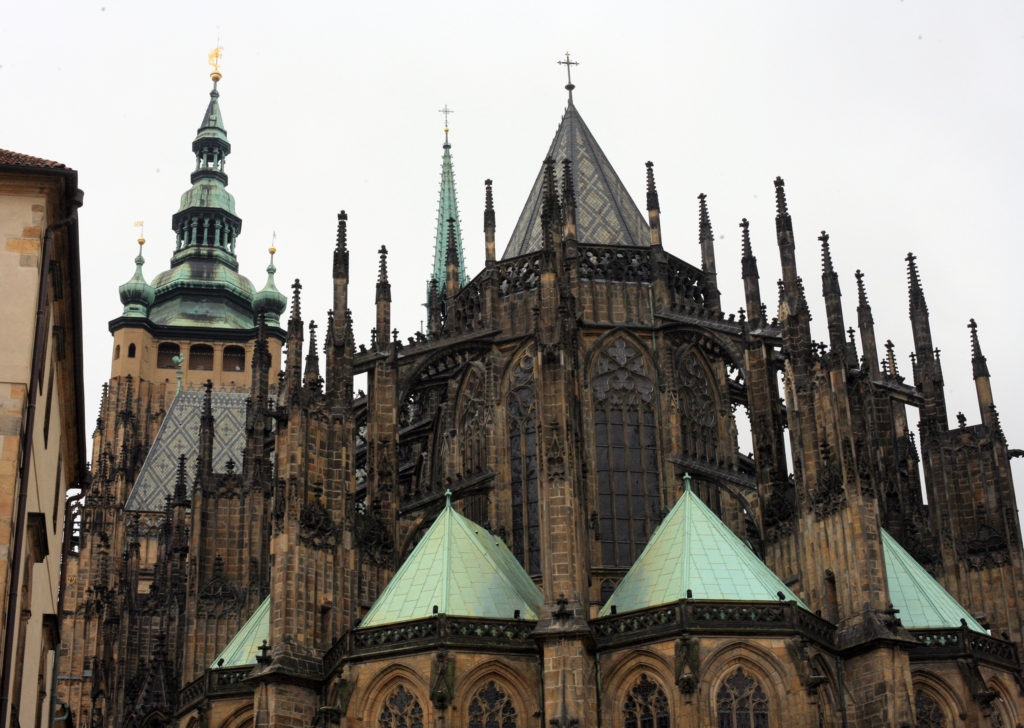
{"x": 42, "y": 441}
{"x": 560, "y": 396}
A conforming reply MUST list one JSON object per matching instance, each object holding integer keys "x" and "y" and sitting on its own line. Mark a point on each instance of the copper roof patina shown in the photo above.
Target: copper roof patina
{"x": 694, "y": 554}
{"x": 459, "y": 569}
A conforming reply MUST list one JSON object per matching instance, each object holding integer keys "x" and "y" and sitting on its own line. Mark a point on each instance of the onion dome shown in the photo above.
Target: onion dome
{"x": 137, "y": 295}
{"x": 270, "y": 301}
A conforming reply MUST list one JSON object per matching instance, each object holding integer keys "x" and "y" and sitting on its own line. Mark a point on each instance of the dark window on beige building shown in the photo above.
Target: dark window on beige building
{"x": 200, "y": 357}
{"x": 234, "y": 359}
{"x": 165, "y": 354}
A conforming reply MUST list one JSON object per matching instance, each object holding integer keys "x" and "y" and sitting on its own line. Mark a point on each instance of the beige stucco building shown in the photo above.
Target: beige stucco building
{"x": 42, "y": 444}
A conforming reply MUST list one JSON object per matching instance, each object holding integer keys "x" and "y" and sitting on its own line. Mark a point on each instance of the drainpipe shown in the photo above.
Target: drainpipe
{"x": 38, "y": 352}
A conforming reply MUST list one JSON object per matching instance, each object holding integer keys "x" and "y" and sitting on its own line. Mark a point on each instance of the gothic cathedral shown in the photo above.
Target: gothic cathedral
{"x": 539, "y": 513}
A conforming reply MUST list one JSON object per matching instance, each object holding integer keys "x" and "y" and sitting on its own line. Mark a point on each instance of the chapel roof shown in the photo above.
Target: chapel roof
{"x": 462, "y": 570}
{"x": 605, "y": 212}
{"x": 693, "y": 552}
{"x": 244, "y": 646}
{"x": 920, "y": 599}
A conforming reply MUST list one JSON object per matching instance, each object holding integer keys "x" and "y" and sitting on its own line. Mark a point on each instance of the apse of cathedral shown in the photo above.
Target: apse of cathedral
{"x": 539, "y": 513}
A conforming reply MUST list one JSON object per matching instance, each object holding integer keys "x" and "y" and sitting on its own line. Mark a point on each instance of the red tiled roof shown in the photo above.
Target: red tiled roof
{"x": 14, "y": 159}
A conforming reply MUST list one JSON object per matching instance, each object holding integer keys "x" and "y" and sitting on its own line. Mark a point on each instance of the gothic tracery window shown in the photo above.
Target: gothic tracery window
{"x": 646, "y": 706}
{"x": 697, "y": 408}
{"x": 522, "y": 447}
{"x": 475, "y": 423}
{"x": 492, "y": 708}
{"x": 929, "y": 712}
{"x": 626, "y": 445}
{"x": 401, "y": 710}
{"x": 742, "y": 703}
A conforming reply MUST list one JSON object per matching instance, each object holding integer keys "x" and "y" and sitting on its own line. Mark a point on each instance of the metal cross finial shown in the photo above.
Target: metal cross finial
{"x": 569, "y": 63}
{"x": 446, "y": 111}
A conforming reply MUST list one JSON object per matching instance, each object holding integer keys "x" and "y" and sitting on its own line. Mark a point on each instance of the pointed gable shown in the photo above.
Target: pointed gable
{"x": 243, "y": 647}
{"x": 920, "y": 599}
{"x": 462, "y": 570}
{"x": 694, "y": 550}
{"x": 605, "y": 213}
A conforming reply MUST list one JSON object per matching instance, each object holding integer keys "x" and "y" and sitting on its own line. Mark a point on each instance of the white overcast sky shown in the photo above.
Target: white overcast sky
{"x": 896, "y": 125}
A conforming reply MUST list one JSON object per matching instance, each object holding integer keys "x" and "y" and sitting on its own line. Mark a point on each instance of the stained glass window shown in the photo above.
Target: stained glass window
{"x": 522, "y": 446}
{"x": 646, "y": 706}
{"x": 742, "y": 703}
{"x": 401, "y": 710}
{"x": 929, "y": 713}
{"x": 492, "y": 708}
{"x": 626, "y": 444}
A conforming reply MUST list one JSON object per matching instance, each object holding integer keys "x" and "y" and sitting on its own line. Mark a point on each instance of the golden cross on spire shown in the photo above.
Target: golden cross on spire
{"x": 446, "y": 111}
{"x": 142, "y": 231}
{"x": 569, "y": 63}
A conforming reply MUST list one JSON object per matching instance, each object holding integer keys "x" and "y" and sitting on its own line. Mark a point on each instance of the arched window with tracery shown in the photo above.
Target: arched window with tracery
{"x": 929, "y": 712}
{"x": 626, "y": 445}
{"x": 401, "y": 710}
{"x": 697, "y": 407}
{"x": 742, "y": 702}
{"x": 491, "y": 707}
{"x": 522, "y": 447}
{"x": 646, "y": 706}
{"x": 474, "y": 423}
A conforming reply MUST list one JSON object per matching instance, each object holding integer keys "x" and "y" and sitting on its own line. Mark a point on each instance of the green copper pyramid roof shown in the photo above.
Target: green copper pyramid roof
{"x": 243, "y": 647}
{"x": 692, "y": 549}
{"x": 605, "y": 213}
{"x": 463, "y": 570}
{"x": 447, "y": 207}
{"x": 922, "y": 601}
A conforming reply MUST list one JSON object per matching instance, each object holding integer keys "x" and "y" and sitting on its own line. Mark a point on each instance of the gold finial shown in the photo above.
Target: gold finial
{"x": 142, "y": 230}
{"x": 214, "y": 60}
{"x": 273, "y": 244}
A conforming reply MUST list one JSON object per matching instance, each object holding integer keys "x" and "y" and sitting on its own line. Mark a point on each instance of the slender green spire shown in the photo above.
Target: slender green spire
{"x": 447, "y": 207}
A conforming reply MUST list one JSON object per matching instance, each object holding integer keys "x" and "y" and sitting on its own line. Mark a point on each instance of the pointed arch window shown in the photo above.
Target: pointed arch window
{"x": 626, "y": 445}
{"x": 929, "y": 712}
{"x": 646, "y": 706}
{"x": 401, "y": 710}
{"x": 698, "y": 409}
{"x": 492, "y": 708}
{"x": 522, "y": 446}
{"x": 475, "y": 423}
{"x": 742, "y": 702}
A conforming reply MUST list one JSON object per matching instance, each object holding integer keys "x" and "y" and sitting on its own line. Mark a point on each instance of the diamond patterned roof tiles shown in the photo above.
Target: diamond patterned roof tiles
{"x": 693, "y": 549}
{"x": 179, "y": 434}
{"x": 463, "y": 570}
{"x": 243, "y": 647}
{"x": 605, "y": 213}
{"x": 922, "y": 601}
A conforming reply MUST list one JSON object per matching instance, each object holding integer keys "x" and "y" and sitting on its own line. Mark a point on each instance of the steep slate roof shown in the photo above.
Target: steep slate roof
{"x": 692, "y": 549}
{"x": 15, "y": 159}
{"x": 179, "y": 434}
{"x": 463, "y": 570}
{"x": 605, "y": 213}
{"x": 243, "y": 647}
{"x": 922, "y": 601}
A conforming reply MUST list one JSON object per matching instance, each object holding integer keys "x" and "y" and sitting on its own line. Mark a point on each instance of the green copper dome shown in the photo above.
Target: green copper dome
{"x": 270, "y": 301}
{"x": 137, "y": 295}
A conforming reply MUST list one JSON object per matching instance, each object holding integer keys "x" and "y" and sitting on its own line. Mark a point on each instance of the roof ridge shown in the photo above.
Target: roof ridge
{"x": 476, "y": 538}
{"x": 926, "y": 588}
